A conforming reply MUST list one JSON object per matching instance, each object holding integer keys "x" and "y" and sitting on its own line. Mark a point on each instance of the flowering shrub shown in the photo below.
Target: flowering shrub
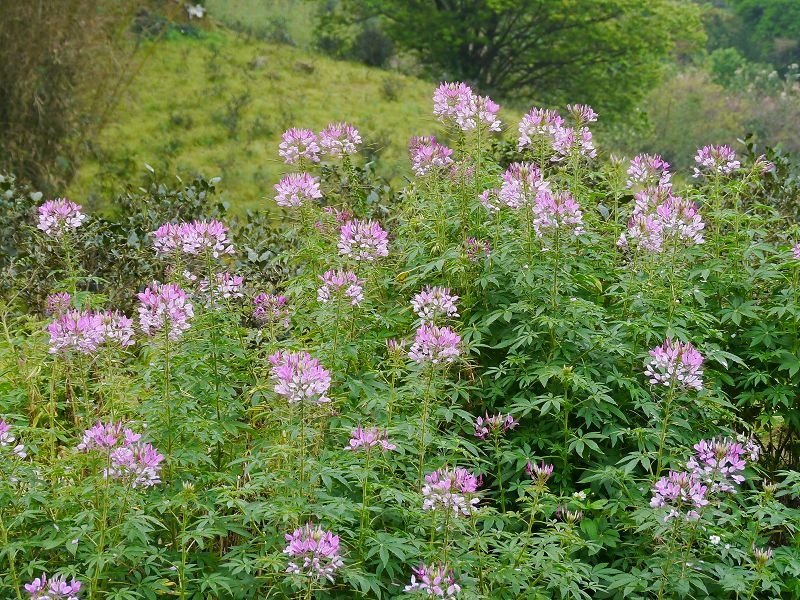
{"x": 535, "y": 374}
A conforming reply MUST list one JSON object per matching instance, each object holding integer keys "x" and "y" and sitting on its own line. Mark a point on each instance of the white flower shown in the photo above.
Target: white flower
{"x": 714, "y": 539}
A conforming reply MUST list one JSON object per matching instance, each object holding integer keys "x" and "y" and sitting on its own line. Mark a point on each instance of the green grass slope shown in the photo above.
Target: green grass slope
{"x": 216, "y": 105}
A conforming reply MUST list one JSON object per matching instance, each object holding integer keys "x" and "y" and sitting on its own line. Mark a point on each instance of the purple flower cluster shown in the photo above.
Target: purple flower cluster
{"x": 435, "y": 345}
{"x": 489, "y": 426}
{"x": 433, "y": 303}
{"x": 433, "y": 580}
{"x": 57, "y": 304}
{"x": 59, "y": 216}
{"x": 296, "y": 189}
{"x": 194, "y": 239}
{"x": 648, "y": 170}
{"x": 299, "y": 144}
{"x": 225, "y": 286}
{"x": 720, "y": 463}
{"x": 129, "y": 460}
{"x": 86, "y": 331}
{"x": 660, "y": 220}
{"x": 682, "y": 493}
{"x": 366, "y": 439}
{"x": 341, "y": 283}
{"x": 796, "y": 251}
{"x": 474, "y": 248}
{"x": 6, "y": 439}
{"x": 164, "y": 307}
{"x": 677, "y": 364}
{"x": 455, "y": 103}
{"x": 522, "y": 185}
{"x": 339, "y": 139}
{"x": 545, "y": 130}
{"x": 541, "y": 472}
{"x": 558, "y": 211}
{"x": 428, "y": 156}
{"x": 56, "y": 588}
{"x": 363, "y": 240}
{"x": 271, "y": 308}
{"x": 314, "y": 552}
{"x": 451, "y": 490}
{"x": 717, "y": 160}
{"x": 299, "y": 377}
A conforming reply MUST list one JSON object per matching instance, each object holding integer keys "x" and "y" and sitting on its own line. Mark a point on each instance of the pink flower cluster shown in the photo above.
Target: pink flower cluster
{"x": 489, "y": 426}
{"x": 57, "y": 304}
{"x": 339, "y": 139}
{"x": 271, "y": 308}
{"x": 59, "y": 216}
{"x": 682, "y": 493}
{"x": 314, "y": 552}
{"x": 720, "y": 463}
{"x": 451, "y": 490}
{"x": 545, "y": 130}
{"x": 366, "y": 439}
{"x": 796, "y": 251}
{"x": 194, "y": 239}
{"x": 648, "y": 170}
{"x": 433, "y": 303}
{"x": 363, "y": 240}
{"x": 129, "y": 460}
{"x": 433, "y": 580}
{"x": 717, "y": 160}
{"x": 164, "y": 307}
{"x": 455, "y": 103}
{"x": 226, "y": 286}
{"x": 341, "y": 283}
{"x": 475, "y": 248}
{"x": 677, "y": 364}
{"x": 299, "y": 377}
{"x": 299, "y": 144}
{"x": 296, "y": 189}
{"x": 435, "y": 345}
{"x": 428, "y": 156}
{"x": 86, "y": 331}
{"x": 660, "y": 219}
{"x": 541, "y": 472}
{"x": 6, "y": 439}
{"x": 522, "y": 186}
{"x": 556, "y": 212}
{"x": 56, "y": 588}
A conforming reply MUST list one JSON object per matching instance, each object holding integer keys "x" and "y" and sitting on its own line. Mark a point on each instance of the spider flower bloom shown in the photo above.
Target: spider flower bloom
{"x": 428, "y": 156}
{"x": 522, "y": 185}
{"x": 58, "y": 216}
{"x": 313, "y": 552}
{"x": 296, "y": 189}
{"x": 720, "y": 160}
{"x": 57, "y": 304}
{"x": 433, "y": 580}
{"x": 194, "y": 239}
{"x": 475, "y": 248}
{"x": 451, "y": 490}
{"x": 118, "y": 328}
{"x": 473, "y": 112}
{"x": 681, "y": 220}
{"x": 720, "y": 463}
{"x": 299, "y": 377}
{"x": 490, "y": 200}
{"x": 557, "y": 212}
{"x": 164, "y": 307}
{"x": 494, "y": 425}
{"x": 447, "y": 99}
{"x": 83, "y": 332}
{"x": 796, "y": 252}
{"x": 299, "y": 144}
{"x": 341, "y": 283}
{"x": 762, "y": 556}
{"x": 55, "y": 589}
{"x": 676, "y": 364}
{"x": 648, "y": 199}
{"x": 369, "y": 438}
{"x": 363, "y": 240}
{"x": 137, "y": 464}
{"x": 434, "y": 302}
{"x": 538, "y": 127}
{"x": 582, "y": 113}
{"x": 271, "y": 308}
{"x": 541, "y": 472}
{"x": 339, "y": 139}
{"x": 682, "y": 493}
{"x": 225, "y": 285}
{"x": 648, "y": 170}
{"x": 105, "y": 436}
{"x": 566, "y": 140}
{"x": 6, "y": 439}
{"x": 435, "y": 345}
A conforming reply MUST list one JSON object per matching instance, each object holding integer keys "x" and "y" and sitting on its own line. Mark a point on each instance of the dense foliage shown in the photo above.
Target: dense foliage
{"x": 533, "y": 374}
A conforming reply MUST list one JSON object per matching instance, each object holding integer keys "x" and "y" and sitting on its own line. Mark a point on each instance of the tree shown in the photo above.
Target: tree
{"x": 607, "y": 53}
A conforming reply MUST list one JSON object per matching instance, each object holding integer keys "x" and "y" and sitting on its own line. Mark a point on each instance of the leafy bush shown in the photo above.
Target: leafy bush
{"x": 528, "y": 375}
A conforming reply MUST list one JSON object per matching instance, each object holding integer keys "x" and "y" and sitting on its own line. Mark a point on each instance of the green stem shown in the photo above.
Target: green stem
{"x": 98, "y": 567}
{"x": 664, "y": 427}
{"x": 499, "y": 467}
{"x": 12, "y": 563}
{"x": 425, "y": 408}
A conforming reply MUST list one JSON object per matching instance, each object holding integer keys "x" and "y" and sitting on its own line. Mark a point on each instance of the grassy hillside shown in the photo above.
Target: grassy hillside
{"x": 216, "y": 104}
